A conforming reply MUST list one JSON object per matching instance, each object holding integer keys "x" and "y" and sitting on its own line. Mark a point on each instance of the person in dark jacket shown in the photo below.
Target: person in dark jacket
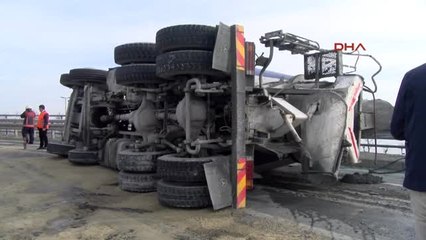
{"x": 42, "y": 126}
{"x": 409, "y": 124}
{"x": 28, "y": 128}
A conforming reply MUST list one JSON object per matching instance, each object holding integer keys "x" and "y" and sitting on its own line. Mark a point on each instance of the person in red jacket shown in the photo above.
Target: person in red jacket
{"x": 28, "y": 128}
{"x": 42, "y": 126}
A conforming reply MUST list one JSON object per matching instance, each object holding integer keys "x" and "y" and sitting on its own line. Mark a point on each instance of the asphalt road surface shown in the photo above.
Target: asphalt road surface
{"x": 43, "y": 196}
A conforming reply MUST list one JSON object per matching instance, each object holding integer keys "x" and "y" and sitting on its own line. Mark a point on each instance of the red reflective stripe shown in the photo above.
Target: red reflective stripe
{"x": 354, "y": 142}
{"x": 241, "y": 198}
{"x": 240, "y": 48}
{"x": 355, "y": 96}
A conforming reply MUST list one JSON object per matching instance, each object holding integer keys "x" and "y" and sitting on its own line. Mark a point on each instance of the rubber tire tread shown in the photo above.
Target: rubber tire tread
{"x": 65, "y": 80}
{"x": 177, "y": 169}
{"x": 142, "y": 162}
{"x": 135, "y": 53}
{"x": 186, "y": 63}
{"x": 59, "y": 148}
{"x": 88, "y": 75}
{"x": 81, "y": 76}
{"x": 82, "y": 157}
{"x": 137, "y": 75}
{"x": 185, "y": 37}
{"x": 111, "y": 149}
{"x": 137, "y": 182}
{"x": 181, "y": 195}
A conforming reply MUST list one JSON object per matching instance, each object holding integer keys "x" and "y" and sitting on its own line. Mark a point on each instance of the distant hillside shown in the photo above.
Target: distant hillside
{"x": 384, "y": 112}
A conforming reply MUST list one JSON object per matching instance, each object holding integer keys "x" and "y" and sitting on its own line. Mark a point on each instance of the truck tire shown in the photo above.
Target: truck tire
{"x": 110, "y": 152}
{"x": 137, "y": 182}
{"x": 184, "y": 37}
{"x": 186, "y": 63}
{"x": 83, "y": 157}
{"x": 82, "y": 76}
{"x": 178, "y": 169}
{"x": 136, "y": 75}
{"x": 135, "y": 53}
{"x": 65, "y": 80}
{"x": 59, "y": 148}
{"x": 183, "y": 195}
{"x": 130, "y": 161}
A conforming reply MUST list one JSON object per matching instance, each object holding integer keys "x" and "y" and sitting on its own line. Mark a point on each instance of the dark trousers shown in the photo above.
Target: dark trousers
{"x": 43, "y": 137}
{"x": 28, "y": 134}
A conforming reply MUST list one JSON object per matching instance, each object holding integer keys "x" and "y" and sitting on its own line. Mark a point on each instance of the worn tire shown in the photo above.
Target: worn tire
{"x": 82, "y": 157}
{"x": 184, "y": 37}
{"x": 65, "y": 80}
{"x": 137, "y": 75}
{"x": 186, "y": 63}
{"x": 82, "y": 76}
{"x": 135, "y": 53}
{"x": 59, "y": 148}
{"x": 111, "y": 150}
{"x": 178, "y": 169}
{"x": 137, "y": 182}
{"x": 130, "y": 161}
{"x": 183, "y": 195}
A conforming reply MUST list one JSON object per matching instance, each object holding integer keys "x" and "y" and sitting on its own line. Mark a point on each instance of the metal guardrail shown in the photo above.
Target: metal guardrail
{"x": 11, "y": 126}
{"x": 18, "y": 116}
{"x": 383, "y": 146}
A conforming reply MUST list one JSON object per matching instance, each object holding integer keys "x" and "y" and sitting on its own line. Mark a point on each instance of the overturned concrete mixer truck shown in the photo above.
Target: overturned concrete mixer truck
{"x": 187, "y": 114}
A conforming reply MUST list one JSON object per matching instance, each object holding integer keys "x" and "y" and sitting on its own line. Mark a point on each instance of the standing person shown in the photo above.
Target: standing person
{"x": 28, "y": 128}
{"x": 42, "y": 126}
{"x": 409, "y": 124}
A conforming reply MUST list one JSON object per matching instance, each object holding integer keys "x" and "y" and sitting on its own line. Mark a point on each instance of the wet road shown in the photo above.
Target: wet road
{"x": 335, "y": 215}
{"x": 342, "y": 211}
{"x": 45, "y": 197}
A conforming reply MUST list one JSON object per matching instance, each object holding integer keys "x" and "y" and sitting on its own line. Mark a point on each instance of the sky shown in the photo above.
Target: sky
{"x": 40, "y": 40}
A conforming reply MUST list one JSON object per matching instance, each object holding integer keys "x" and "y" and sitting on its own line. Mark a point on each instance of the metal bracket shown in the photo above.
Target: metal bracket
{"x": 287, "y": 108}
{"x": 290, "y": 42}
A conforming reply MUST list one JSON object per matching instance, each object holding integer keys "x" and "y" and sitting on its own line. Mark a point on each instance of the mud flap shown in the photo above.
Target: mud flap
{"x": 221, "y": 53}
{"x": 219, "y": 182}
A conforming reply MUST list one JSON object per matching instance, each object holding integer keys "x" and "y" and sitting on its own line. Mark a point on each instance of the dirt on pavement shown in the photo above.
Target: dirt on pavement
{"x": 46, "y": 197}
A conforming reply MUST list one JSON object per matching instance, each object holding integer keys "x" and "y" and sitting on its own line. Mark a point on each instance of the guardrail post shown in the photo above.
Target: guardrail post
{"x": 7, "y": 132}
